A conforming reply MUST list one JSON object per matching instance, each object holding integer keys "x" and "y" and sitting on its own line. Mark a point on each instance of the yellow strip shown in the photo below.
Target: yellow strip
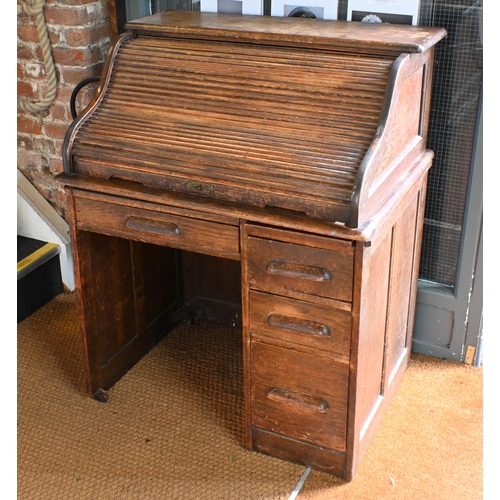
{"x": 38, "y": 254}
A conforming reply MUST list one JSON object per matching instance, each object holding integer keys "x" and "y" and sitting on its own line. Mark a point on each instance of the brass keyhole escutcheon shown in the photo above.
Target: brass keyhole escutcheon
{"x": 201, "y": 187}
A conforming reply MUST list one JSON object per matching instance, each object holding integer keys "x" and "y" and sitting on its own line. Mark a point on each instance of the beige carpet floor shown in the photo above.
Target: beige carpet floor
{"x": 173, "y": 426}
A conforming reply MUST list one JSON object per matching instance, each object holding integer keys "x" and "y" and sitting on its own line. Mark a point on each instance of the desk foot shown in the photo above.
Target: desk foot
{"x": 187, "y": 314}
{"x": 101, "y": 396}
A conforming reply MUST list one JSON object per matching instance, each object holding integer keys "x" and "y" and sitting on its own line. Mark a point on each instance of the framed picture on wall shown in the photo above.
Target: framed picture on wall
{"x": 319, "y": 9}
{"x": 384, "y": 11}
{"x": 249, "y": 7}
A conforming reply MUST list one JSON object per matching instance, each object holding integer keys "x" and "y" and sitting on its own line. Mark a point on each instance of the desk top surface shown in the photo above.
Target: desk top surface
{"x": 384, "y": 37}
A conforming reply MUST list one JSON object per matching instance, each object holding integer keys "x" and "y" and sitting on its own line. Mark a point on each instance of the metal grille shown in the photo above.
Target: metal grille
{"x": 456, "y": 92}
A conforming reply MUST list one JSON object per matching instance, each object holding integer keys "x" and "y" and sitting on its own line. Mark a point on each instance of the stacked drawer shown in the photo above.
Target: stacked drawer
{"x": 299, "y": 325}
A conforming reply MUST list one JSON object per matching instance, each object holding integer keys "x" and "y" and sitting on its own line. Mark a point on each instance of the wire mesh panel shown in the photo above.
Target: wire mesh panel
{"x": 456, "y": 93}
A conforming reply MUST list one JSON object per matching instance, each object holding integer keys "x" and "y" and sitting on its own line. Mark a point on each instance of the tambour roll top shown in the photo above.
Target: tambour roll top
{"x": 320, "y": 117}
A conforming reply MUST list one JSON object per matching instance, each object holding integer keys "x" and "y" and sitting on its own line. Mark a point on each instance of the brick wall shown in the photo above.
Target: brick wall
{"x": 80, "y": 34}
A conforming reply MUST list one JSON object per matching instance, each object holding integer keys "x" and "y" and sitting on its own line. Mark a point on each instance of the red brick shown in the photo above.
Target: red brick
{"x": 68, "y": 57}
{"x": 43, "y": 180}
{"x": 54, "y": 35}
{"x": 20, "y": 70}
{"x": 29, "y": 160}
{"x": 44, "y": 146}
{"x": 70, "y": 16}
{"x": 87, "y": 36}
{"x": 55, "y": 130}
{"x": 25, "y": 89}
{"x": 24, "y": 52}
{"x": 39, "y": 52}
{"x": 41, "y": 89}
{"x": 35, "y": 71}
{"x": 25, "y": 143}
{"x": 58, "y": 147}
{"x": 59, "y": 112}
{"x": 76, "y": 57}
{"x": 55, "y": 165}
{"x": 28, "y": 33}
{"x": 74, "y": 75}
{"x": 28, "y": 125}
{"x": 62, "y": 202}
{"x": 63, "y": 94}
{"x": 85, "y": 95}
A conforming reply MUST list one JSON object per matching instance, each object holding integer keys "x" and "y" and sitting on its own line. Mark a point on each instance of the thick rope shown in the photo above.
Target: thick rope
{"x": 35, "y": 8}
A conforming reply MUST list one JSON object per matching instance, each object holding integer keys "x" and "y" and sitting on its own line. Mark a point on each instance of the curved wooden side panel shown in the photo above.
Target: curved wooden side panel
{"x": 400, "y": 137}
{"x": 94, "y": 103}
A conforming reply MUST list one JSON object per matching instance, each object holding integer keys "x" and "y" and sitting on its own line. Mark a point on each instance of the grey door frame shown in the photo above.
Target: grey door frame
{"x": 448, "y": 320}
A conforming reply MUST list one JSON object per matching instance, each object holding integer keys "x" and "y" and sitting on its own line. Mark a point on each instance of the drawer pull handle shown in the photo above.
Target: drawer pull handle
{"x": 293, "y": 270}
{"x": 298, "y": 325}
{"x": 286, "y": 396}
{"x": 140, "y": 224}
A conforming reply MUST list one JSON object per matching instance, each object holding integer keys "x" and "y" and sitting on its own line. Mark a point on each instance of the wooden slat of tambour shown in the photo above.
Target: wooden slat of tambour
{"x": 313, "y": 131}
{"x": 265, "y": 74}
{"x": 310, "y": 57}
{"x": 358, "y": 113}
{"x": 340, "y": 154}
{"x": 163, "y": 132}
{"x": 184, "y": 137}
{"x": 329, "y": 148}
{"x": 332, "y": 176}
{"x": 185, "y": 60}
{"x": 333, "y": 196}
{"x": 223, "y": 64}
{"x": 305, "y": 106}
{"x": 233, "y": 169}
{"x": 252, "y": 84}
{"x": 182, "y": 84}
{"x": 309, "y": 154}
{"x": 130, "y": 82}
{"x": 261, "y": 109}
{"x": 276, "y": 183}
{"x": 279, "y": 155}
{"x": 103, "y": 148}
{"x": 234, "y": 86}
{"x": 326, "y": 174}
{"x": 191, "y": 120}
{"x": 169, "y": 139}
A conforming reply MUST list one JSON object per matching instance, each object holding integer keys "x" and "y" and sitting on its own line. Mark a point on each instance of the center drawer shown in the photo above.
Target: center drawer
{"x": 113, "y": 216}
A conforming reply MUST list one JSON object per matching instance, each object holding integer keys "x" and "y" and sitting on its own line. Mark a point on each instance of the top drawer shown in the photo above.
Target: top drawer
{"x": 115, "y": 216}
{"x": 285, "y": 266}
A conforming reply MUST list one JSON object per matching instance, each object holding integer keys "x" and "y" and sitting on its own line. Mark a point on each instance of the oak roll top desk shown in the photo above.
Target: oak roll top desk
{"x": 270, "y": 174}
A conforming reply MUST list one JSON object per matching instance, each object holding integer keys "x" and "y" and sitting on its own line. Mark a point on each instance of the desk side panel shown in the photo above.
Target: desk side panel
{"x": 127, "y": 292}
{"x": 383, "y": 320}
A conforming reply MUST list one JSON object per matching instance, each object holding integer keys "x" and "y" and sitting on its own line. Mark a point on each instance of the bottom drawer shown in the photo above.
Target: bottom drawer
{"x": 299, "y": 395}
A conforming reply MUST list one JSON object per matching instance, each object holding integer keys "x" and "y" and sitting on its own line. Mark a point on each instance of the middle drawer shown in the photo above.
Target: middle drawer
{"x": 300, "y": 322}
{"x": 281, "y": 266}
